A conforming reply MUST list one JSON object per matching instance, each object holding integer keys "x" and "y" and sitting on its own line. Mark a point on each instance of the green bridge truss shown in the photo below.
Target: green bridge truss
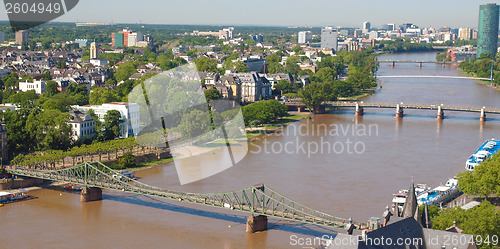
{"x": 257, "y": 200}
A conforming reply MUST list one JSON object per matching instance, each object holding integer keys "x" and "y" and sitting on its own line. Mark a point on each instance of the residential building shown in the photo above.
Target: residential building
{"x": 93, "y": 51}
{"x": 22, "y": 37}
{"x": 82, "y": 125}
{"x": 253, "y": 87}
{"x": 38, "y": 86}
{"x": 129, "y": 112}
{"x": 329, "y": 38}
{"x": 465, "y": 34}
{"x": 255, "y": 63}
{"x": 488, "y": 29}
{"x": 304, "y": 37}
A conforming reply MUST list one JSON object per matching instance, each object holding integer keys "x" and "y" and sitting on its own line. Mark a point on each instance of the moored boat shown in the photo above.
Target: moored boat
{"x": 484, "y": 152}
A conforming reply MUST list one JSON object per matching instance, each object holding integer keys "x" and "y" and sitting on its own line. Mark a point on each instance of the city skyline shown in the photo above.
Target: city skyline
{"x": 424, "y": 13}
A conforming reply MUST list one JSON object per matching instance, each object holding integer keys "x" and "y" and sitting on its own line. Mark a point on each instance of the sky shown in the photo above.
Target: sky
{"x": 351, "y": 13}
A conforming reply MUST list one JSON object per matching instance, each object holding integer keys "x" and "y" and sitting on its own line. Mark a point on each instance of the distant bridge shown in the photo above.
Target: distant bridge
{"x": 360, "y": 106}
{"x": 259, "y": 200}
{"x": 431, "y": 76}
{"x": 420, "y": 62}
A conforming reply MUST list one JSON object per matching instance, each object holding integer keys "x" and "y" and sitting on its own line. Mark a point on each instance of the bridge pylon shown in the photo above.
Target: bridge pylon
{"x": 256, "y": 223}
{"x": 440, "y": 113}
{"x": 91, "y": 194}
{"x": 482, "y": 118}
{"x": 359, "y": 110}
{"x": 399, "y": 111}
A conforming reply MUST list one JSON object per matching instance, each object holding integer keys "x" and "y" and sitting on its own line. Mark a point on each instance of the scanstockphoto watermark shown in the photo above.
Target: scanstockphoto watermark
{"x": 319, "y": 139}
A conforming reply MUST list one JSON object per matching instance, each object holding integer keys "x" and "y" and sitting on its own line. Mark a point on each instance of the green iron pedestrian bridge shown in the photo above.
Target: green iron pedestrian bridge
{"x": 257, "y": 200}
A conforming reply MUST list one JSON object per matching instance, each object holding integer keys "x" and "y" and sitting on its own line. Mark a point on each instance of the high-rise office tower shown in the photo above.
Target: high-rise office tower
{"x": 329, "y": 38}
{"x": 304, "y": 37}
{"x": 367, "y": 26}
{"x": 21, "y": 37}
{"x": 488, "y": 29}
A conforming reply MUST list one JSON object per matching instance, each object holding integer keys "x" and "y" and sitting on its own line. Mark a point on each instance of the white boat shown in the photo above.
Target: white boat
{"x": 399, "y": 199}
{"x": 439, "y": 193}
{"x": 484, "y": 152}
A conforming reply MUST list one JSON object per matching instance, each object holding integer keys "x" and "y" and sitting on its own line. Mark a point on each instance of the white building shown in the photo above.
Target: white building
{"x": 82, "y": 125}
{"x": 373, "y": 35}
{"x": 134, "y": 38}
{"x": 129, "y": 112}
{"x": 304, "y": 37}
{"x": 329, "y": 38}
{"x": 38, "y": 86}
{"x": 226, "y": 34}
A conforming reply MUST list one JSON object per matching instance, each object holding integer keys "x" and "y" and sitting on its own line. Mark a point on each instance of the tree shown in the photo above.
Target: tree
{"x": 61, "y": 64}
{"x": 483, "y": 221}
{"x": 205, "y": 64}
{"x": 125, "y": 70}
{"x": 51, "y": 88}
{"x": 195, "y": 123}
{"x": 212, "y": 94}
{"x": 316, "y": 93}
{"x": 50, "y": 130}
{"x": 11, "y": 80}
{"x": 24, "y": 99}
{"x": 127, "y": 160}
{"x": 111, "y": 125}
{"x": 326, "y": 75}
{"x": 103, "y": 95}
{"x": 263, "y": 112}
{"x": 284, "y": 87}
{"x": 60, "y": 101}
{"x": 275, "y": 67}
{"x": 46, "y": 75}
{"x": 484, "y": 180}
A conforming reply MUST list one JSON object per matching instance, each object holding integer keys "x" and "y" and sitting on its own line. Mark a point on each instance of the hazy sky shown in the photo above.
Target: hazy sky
{"x": 425, "y": 13}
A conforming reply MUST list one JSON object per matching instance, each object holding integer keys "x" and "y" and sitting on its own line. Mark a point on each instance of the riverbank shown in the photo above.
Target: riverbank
{"x": 275, "y": 125}
{"x": 484, "y": 83}
{"x": 361, "y": 94}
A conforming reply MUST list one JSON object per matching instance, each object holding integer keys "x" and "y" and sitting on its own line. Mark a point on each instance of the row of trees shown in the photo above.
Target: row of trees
{"x": 92, "y": 152}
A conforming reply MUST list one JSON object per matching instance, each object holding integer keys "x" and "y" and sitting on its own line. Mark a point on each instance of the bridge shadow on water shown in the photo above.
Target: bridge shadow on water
{"x": 273, "y": 223}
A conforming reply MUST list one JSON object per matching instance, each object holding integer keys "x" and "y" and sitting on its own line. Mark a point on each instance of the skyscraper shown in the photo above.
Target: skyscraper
{"x": 304, "y": 37}
{"x": 22, "y": 37}
{"x": 488, "y": 29}
{"x": 367, "y": 26}
{"x": 329, "y": 38}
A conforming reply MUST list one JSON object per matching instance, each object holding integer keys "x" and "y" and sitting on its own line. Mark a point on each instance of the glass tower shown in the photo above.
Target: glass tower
{"x": 488, "y": 29}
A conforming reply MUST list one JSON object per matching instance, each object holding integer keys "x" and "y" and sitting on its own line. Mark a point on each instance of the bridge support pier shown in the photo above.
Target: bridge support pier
{"x": 256, "y": 223}
{"x": 420, "y": 65}
{"x": 393, "y": 64}
{"x": 440, "y": 113}
{"x": 301, "y": 108}
{"x": 482, "y": 118}
{"x": 91, "y": 194}
{"x": 444, "y": 65}
{"x": 399, "y": 111}
{"x": 320, "y": 110}
{"x": 359, "y": 110}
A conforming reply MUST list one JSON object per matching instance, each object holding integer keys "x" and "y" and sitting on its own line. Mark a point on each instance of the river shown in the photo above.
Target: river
{"x": 354, "y": 175}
